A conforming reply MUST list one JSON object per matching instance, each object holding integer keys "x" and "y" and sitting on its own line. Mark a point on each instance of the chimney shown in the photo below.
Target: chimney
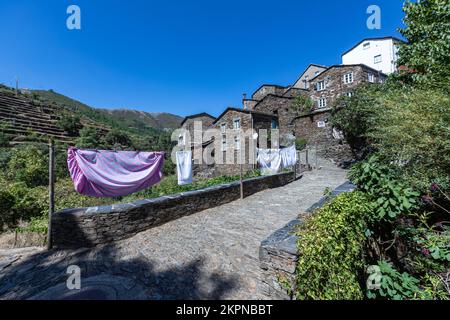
{"x": 244, "y": 97}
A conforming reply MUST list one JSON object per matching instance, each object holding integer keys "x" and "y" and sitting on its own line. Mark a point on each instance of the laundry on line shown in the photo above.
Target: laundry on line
{"x": 113, "y": 173}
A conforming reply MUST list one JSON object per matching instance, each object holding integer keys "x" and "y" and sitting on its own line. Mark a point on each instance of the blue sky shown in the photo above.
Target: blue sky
{"x": 182, "y": 57}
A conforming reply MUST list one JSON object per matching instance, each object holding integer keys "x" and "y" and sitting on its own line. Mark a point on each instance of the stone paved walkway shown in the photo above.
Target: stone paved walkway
{"x": 209, "y": 255}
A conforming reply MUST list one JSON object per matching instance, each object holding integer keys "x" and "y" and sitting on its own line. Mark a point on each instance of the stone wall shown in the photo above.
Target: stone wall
{"x": 259, "y": 122}
{"x": 282, "y": 108}
{"x": 278, "y": 255}
{"x": 266, "y": 89}
{"x": 333, "y": 79}
{"x": 307, "y": 127}
{"x": 87, "y": 227}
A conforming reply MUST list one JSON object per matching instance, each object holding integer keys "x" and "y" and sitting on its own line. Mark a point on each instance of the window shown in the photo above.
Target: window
{"x": 224, "y": 142}
{"x": 237, "y": 124}
{"x": 377, "y": 59}
{"x": 348, "y": 78}
{"x": 366, "y": 45}
{"x": 320, "y": 85}
{"x": 274, "y": 124}
{"x": 322, "y": 103}
{"x": 237, "y": 143}
{"x": 350, "y": 94}
{"x": 223, "y": 127}
{"x": 181, "y": 139}
{"x": 371, "y": 77}
{"x": 316, "y": 73}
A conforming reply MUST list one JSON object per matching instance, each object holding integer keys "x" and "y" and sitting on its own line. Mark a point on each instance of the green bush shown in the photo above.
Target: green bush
{"x": 390, "y": 197}
{"x": 301, "y": 144}
{"x": 7, "y": 214}
{"x": 89, "y": 138}
{"x": 4, "y": 140}
{"x": 393, "y": 284}
{"x": 71, "y": 124}
{"x": 29, "y": 165}
{"x": 330, "y": 245}
{"x": 116, "y": 138}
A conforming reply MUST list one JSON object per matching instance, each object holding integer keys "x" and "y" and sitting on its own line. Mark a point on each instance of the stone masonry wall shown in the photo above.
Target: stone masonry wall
{"x": 87, "y": 227}
{"x": 307, "y": 127}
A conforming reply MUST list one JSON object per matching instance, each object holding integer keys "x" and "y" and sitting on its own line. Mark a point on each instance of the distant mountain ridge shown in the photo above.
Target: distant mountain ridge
{"x": 125, "y": 118}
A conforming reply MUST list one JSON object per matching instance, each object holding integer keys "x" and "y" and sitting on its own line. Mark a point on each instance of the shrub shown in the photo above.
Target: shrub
{"x": 89, "y": 138}
{"x": 4, "y": 140}
{"x": 28, "y": 164}
{"x": 7, "y": 214}
{"x": 303, "y": 105}
{"x": 301, "y": 144}
{"x": 390, "y": 197}
{"x": 117, "y": 138}
{"x": 330, "y": 245}
{"x": 393, "y": 284}
{"x": 71, "y": 124}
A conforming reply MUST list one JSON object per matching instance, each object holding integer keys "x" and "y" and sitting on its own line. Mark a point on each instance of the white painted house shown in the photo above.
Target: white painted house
{"x": 378, "y": 53}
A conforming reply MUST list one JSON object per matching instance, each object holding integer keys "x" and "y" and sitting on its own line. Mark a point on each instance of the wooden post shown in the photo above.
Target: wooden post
{"x": 242, "y": 183}
{"x": 51, "y": 191}
{"x": 307, "y": 159}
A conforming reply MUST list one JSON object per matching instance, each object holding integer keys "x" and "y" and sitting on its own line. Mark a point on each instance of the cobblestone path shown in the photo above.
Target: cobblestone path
{"x": 212, "y": 254}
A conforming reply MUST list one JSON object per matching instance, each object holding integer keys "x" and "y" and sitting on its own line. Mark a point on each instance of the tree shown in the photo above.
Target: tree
{"x": 71, "y": 124}
{"x": 117, "y": 138}
{"x": 89, "y": 138}
{"x": 302, "y": 104}
{"x": 427, "y": 53}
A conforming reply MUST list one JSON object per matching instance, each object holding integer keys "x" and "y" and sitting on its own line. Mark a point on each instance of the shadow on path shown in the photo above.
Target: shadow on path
{"x": 109, "y": 273}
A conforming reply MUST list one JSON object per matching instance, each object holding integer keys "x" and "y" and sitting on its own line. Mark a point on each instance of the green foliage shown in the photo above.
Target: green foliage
{"x": 393, "y": 285}
{"x": 435, "y": 244}
{"x": 71, "y": 124}
{"x": 301, "y": 144}
{"x": 433, "y": 288}
{"x": 116, "y": 138}
{"x": 389, "y": 196}
{"x": 169, "y": 167}
{"x": 427, "y": 53}
{"x": 331, "y": 250}
{"x": 36, "y": 224}
{"x": 412, "y": 131}
{"x": 302, "y": 104}
{"x": 4, "y": 140}
{"x": 407, "y": 127}
{"x": 90, "y": 137}
{"x": 7, "y": 214}
{"x": 29, "y": 165}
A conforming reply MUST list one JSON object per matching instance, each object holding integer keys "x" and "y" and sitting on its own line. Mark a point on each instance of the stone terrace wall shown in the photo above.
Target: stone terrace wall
{"x": 278, "y": 255}
{"x": 87, "y": 227}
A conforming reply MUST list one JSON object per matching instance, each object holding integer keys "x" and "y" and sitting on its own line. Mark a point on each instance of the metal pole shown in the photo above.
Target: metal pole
{"x": 51, "y": 191}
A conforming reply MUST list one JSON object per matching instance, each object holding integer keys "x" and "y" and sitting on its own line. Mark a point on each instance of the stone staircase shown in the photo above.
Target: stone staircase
{"x": 21, "y": 116}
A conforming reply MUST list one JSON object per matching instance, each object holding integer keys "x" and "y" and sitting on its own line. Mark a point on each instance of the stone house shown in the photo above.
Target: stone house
{"x": 313, "y": 70}
{"x": 277, "y": 106}
{"x": 236, "y": 127}
{"x": 188, "y": 124}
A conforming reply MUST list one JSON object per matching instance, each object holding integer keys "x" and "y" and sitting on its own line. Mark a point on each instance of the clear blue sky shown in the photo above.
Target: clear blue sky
{"x": 182, "y": 57}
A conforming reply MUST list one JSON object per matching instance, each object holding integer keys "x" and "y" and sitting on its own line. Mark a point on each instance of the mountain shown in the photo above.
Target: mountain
{"x": 125, "y": 119}
{"x": 141, "y": 120}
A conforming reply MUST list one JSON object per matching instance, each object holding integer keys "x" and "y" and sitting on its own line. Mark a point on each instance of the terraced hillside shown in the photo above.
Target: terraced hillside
{"x": 20, "y": 116}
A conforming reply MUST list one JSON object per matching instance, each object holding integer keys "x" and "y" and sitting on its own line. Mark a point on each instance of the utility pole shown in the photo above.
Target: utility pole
{"x": 17, "y": 85}
{"x": 51, "y": 191}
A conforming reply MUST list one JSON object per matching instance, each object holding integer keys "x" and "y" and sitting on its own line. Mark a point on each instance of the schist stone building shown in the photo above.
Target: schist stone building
{"x": 276, "y": 107}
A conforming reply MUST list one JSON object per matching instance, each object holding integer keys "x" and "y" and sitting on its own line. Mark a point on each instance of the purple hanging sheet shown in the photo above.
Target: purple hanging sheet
{"x": 112, "y": 174}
